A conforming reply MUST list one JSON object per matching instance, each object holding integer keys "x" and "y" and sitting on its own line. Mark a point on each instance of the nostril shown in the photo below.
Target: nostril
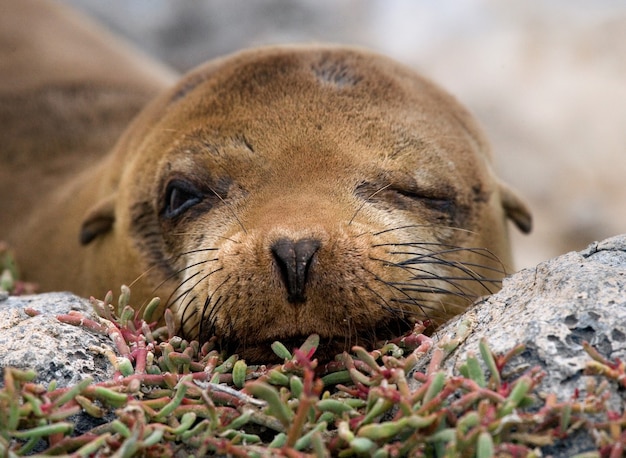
{"x": 294, "y": 259}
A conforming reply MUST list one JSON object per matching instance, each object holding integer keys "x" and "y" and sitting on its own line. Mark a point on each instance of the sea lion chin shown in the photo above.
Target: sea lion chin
{"x": 286, "y": 191}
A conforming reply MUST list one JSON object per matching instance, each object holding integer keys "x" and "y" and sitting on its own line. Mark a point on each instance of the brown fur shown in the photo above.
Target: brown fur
{"x": 280, "y": 192}
{"x": 68, "y": 89}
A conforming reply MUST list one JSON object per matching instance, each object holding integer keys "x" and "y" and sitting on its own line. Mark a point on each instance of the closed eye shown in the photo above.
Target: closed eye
{"x": 406, "y": 197}
{"x": 179, "y": 197}
{"x": 431, "y": 200}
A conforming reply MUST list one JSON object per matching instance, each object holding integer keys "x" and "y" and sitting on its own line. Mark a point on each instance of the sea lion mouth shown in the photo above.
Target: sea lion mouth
{"x": 328, "y": 348}
{"x": 262, "y": 353}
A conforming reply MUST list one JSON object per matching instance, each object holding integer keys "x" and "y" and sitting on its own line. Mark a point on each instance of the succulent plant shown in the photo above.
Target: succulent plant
{"x": 172, "y": 397}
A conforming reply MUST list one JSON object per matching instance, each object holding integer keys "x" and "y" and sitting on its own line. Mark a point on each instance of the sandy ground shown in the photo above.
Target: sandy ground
{"x": 547, "y": 79}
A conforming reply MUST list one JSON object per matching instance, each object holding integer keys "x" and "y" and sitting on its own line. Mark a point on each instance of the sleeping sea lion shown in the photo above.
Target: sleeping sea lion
{"x": 279, "y": 192}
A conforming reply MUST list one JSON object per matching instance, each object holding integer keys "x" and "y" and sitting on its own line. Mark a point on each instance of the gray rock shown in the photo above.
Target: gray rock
{"x": 57, "y": 351}
{"x": 552, "y": 309}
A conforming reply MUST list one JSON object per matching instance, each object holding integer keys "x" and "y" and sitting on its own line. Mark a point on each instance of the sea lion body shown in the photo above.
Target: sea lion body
{"x": 285, "y": 191}
{"x": 68, "y": 90}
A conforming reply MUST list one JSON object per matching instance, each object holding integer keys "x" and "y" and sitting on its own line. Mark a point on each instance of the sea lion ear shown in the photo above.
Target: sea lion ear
{"x": 515, "y": 209}
{"x": 99, "y": 220}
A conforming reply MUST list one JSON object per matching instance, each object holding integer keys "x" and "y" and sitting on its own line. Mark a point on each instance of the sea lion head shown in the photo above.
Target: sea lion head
{"x": 295, "y": 190}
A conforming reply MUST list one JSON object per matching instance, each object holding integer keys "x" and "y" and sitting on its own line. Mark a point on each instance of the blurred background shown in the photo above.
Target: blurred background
{"x": 546, "y": 78}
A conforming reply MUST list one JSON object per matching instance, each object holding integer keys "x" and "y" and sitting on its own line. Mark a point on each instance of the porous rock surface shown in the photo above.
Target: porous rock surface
{"x": 57, "y": 351}
{"x": 552, "y": 309}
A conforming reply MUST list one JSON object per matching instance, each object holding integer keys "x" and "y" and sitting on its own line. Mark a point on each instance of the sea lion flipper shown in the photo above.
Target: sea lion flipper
{"x": 515, "y": 208}
{"x": 98, "y": 221}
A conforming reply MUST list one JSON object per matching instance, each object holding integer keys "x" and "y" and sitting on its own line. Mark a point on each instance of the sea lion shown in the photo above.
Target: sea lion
{"x": 68, "y": 89}
{"x": 284, "y": 191}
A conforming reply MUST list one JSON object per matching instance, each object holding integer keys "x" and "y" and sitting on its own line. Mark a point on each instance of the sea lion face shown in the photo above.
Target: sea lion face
{"x": 293, "y": 191}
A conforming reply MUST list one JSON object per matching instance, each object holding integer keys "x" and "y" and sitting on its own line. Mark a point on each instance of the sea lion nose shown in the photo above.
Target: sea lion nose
{"x": 294, "y": 258}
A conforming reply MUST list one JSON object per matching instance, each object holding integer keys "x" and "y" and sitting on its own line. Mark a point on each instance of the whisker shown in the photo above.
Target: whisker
{"x": 425, "y": 303}
{"x": 180, "y": 271}
{"x": 206, "y": 327}
{"x": 230, "y": 208}
{"x": 435, "y": 258}
{"x": 456, "y": 264}
{"x": 185, "y": 318}
{"x": 196, "y": 233}
{"x": 393, "y": 287}
{"x": 433, "y": 286}
{"x": 427, "y": 275}
{"x": 484, "y": 252}
{"x": 142, "y": 275}
{"x": 424, "y": 274}
{"x": 196, "y": 250}
{"x": 471, "y": 275}
{"x": 185, "y": 292}
{"x": 366, "y": 201}
{"x": 431, "y": 276}
{"x": 214, "y": 308}
{"x": 201, "y": 325}
{"x": 450, "y": 249}
{"x": 176, "y": 258}
{"x": 465, "y": 268}
{"x": 430, "y": 289}
{"x": 185, "y": 295}
{"x": 401, "y": 314}
{"x": 384, "y": 304}
{"x": 427, "y": 226}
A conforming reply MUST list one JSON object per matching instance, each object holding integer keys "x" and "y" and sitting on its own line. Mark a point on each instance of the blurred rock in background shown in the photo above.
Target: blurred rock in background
{"x": 547, "y": 79}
